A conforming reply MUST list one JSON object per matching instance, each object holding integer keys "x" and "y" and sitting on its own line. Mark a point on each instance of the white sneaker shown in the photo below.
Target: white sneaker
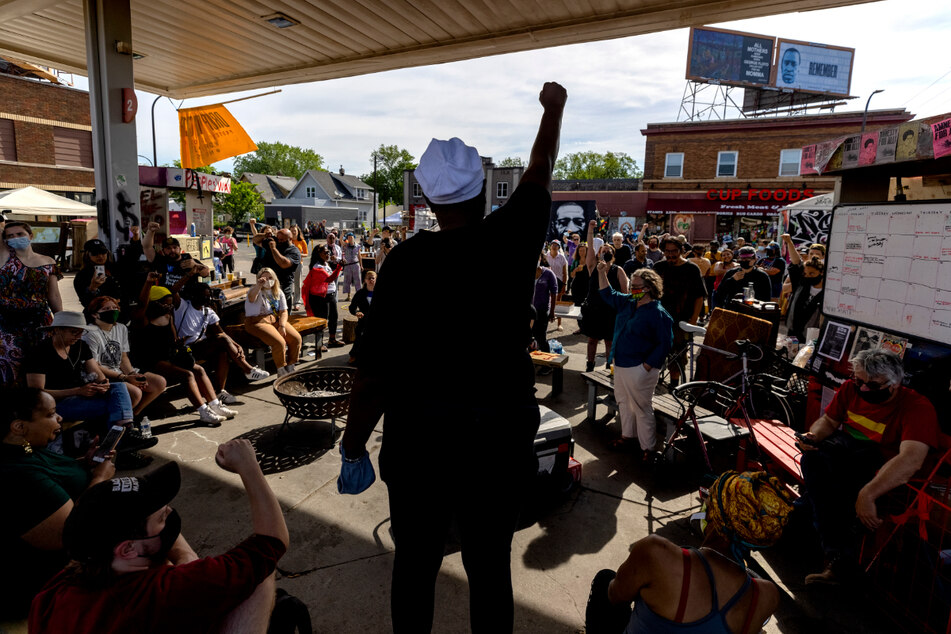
{"x": 226, "y": 398}
{"x": 255, "y": 374}
{"x": 209, "y": 417}
{"x": 221, "y": 410}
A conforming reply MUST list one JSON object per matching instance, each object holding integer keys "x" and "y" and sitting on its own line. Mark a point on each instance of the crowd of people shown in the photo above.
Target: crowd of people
{"x": 89, "y": 539}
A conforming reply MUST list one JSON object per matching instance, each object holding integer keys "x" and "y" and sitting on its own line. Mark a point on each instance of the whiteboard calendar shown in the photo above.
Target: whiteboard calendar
{"x": 889, "y": 266}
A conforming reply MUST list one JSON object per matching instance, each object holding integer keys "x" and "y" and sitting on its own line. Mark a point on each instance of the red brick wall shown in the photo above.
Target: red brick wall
{"x": 34, "y": 141}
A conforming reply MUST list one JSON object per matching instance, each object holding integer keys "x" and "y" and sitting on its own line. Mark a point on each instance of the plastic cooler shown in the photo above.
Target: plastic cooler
{"x": 554, "y": 447}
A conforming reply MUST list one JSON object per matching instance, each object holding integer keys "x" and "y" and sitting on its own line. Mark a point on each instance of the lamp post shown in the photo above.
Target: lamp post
{"x": 865, "y": 114}
{"x": 376, "y": 187}
{"x": 154, "y": 159}
{"x": 151, "y": 162}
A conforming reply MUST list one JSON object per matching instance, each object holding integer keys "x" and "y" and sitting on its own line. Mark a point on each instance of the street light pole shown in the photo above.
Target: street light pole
{"x": 376, "y": 188}
{"x": 865, "y": 114}
{"x": 154, "y": 159}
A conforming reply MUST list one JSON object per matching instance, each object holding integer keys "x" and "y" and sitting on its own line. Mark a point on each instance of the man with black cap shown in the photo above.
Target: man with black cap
{"x": 735, "y": 280}
{"x": 175, "y": 267}
{"x": 433, "y": 458}
{"x": 131, "y": 569}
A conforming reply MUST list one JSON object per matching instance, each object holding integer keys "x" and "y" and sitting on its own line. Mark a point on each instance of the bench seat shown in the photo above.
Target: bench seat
{"x": 306, "y": 326}
{"x": 555, "y": 361}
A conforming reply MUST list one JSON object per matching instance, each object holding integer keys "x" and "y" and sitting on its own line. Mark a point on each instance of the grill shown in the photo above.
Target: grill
{"x": 295, "y": 393}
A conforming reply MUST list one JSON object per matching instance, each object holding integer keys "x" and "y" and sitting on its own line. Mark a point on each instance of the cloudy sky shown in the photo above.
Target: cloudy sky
{"x": 615, "y": 88}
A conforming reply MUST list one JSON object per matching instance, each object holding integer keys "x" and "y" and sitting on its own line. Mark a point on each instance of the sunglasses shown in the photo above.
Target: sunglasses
{"x": 872, "y": 385}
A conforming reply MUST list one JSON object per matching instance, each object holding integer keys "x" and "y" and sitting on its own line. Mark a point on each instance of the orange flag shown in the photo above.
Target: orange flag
{"x": 210, "y": 134}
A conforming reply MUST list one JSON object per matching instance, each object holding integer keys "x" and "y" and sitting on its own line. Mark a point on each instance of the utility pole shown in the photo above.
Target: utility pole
{"x": 376, "y": 189}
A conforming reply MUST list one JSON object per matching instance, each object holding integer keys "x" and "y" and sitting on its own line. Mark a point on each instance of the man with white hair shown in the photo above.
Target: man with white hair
{"x": 873, "y": 437}
{"x": 622, "y": 252}
{"x": 434, "y": 468}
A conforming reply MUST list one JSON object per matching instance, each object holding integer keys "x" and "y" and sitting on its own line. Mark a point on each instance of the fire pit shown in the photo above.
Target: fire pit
{"x": 314, "y": 394}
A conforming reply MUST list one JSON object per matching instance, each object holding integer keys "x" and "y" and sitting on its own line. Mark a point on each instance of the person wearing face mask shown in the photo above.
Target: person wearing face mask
{"x": 124, "y": 540}
{"x": 684, "y": 293}
{"x": 156, "y": 347}
{"x": 724, "y": 264}
{"x": 97, "y": 277}
{"x": 873, "y": 437}
{"x": 805, "y": 303}
{"x": 320, "y": 291}
{"x": 29, "y": 295}
{"x": 597, "y": 317}
{"x": 109, "y": 343}
{"x": 265, "y": 317}
{"x": 643, "y": 336}
{"x": 734, "y": 281}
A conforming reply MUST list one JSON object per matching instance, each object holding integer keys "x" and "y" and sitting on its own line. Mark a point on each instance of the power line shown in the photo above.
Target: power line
{"x": 929, "y": 86}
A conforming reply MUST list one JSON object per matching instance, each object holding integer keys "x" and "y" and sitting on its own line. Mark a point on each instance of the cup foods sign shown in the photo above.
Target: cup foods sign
{"x": 778, "y": 195}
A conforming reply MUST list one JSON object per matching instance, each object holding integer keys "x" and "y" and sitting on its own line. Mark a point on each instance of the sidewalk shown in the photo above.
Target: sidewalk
{"x": 340, "y": 557}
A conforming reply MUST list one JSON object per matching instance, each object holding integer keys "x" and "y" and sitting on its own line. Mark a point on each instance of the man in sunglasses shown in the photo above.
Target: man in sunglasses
{"x": 873, "y": 437}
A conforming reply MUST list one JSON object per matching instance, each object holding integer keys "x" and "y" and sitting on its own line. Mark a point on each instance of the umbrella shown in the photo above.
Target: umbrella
{"x": 39, "y": 202}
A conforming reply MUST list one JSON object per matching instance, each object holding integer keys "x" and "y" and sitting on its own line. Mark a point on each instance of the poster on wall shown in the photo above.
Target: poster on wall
{"x": 941, "y": 138}
{"x": 834, "y": 341}
{"x": 809, "y": 226}
{"x": 810, "y": 67}
{"x": 570, "y": 216}
{"x": 202, "y": 219}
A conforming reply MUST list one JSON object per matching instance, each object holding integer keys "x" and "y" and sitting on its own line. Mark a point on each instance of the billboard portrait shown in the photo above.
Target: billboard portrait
{"x": 729, "y": 57}
{"x": 571, "y": 216}
{"x": 813, "y": 68}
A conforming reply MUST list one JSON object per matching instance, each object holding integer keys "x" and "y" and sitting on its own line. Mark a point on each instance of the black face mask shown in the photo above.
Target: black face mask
{"x": 156, "y": 310}
{"x": 746, "y": 264}
{"x": 173, "y": 528}
{"x": 812, "y": 281}
{"x": 109, "y": 316}
{"x": 875, "y": 397}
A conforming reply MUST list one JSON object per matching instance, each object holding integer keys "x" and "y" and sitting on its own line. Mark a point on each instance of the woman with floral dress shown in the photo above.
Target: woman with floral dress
{"x": 29, "y": 295}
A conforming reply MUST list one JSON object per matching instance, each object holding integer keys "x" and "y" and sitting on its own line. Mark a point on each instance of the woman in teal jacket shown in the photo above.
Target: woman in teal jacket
{"x": 643, "y": 336}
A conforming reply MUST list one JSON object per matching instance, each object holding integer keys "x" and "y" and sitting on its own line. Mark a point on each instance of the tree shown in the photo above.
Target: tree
{"x": 390, "y": 163}
{"x": 591, "y": 165}
{"x": 511, "y": 161}
{"x": 278, "y": 159}
{"x": 243, "y": 201}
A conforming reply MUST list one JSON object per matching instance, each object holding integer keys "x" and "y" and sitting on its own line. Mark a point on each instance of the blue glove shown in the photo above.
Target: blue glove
{"x": 357, "y": 476}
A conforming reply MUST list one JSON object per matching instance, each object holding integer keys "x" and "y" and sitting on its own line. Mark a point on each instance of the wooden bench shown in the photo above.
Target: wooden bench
{"x": 306, "y": 326}
{"x": 557, "y": 363}
{"x": 713, "y": 428}
{"x": 778, "y": 443}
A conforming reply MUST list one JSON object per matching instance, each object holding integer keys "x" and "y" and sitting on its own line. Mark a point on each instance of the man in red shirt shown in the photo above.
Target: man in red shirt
{"x": 873, "y": 437}
{"x": 121, "y": 535}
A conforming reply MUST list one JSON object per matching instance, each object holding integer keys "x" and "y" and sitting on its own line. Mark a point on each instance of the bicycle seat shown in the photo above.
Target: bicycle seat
{"x": 743, "y": 345}
{"x": 686, "y": 326}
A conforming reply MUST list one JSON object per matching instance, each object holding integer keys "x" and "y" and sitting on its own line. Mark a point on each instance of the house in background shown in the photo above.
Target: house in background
{"x": 270, "y": 186}
{"x": 343, "y": 200}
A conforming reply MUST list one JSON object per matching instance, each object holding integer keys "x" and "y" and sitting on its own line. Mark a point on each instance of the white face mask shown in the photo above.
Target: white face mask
{"x": 268, "y": 283}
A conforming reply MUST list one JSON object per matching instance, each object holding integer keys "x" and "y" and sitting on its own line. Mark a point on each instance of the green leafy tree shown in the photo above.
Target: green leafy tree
{"x": 390, "y": 163}
{"x": 243, "y": 201}
{"x": 278, "y": 159}
{"x": 591, "y": 165}
{"x": 511, "y": 161}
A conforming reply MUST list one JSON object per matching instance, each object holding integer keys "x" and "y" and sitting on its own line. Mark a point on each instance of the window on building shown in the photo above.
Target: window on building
{"x": 8, "y": 145}
{"x": 310, "y": 192}
{"x": 72, "y": 147}
{"x": 789, "y": 162}
{"x": 726, "y": 164}
{"x": 417, "y": 191}
{"x": 502, "y": 190}
{"x": 674, "y": 166}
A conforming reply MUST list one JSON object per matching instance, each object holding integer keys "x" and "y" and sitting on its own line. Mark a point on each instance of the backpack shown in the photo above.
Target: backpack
{"x": 749, "y": 509}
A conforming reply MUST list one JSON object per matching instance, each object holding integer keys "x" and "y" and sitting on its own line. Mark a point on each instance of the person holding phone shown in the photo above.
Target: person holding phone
{"x": 109, "y": 343}
{"x": 96, "y": 277}
{"x": 47, "y": 485}
{"x": 265, "y": 317}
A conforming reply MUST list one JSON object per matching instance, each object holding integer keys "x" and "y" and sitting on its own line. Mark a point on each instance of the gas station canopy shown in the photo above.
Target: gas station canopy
{"x": 191, "y": 49}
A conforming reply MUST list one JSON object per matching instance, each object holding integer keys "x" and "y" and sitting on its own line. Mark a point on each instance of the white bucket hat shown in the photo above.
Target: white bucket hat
{"x": 450, "y": 171}
{"x": 69, "y": 319}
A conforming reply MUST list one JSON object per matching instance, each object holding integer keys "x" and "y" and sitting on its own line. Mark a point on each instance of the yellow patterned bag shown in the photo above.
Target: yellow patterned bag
{"x": 749, "y": 508}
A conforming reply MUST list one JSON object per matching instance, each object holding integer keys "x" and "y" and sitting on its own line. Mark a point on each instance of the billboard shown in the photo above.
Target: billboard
{"x": 808, "y": 67}
{"x": 729, "y": 57}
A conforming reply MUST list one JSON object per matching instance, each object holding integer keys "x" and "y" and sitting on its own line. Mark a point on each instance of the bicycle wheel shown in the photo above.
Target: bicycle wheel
{"x": 671, "y": 375}
{"x": 767, "y": 402}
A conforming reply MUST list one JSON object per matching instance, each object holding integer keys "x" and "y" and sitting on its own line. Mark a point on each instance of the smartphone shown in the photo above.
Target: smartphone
{"x": 109, "y": 443}
{"x": 807, "y": 440}
{"x": 100, "y": 269}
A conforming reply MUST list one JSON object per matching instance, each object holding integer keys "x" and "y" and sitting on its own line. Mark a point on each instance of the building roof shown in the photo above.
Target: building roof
{"x": 270, "y": 186}
{"x": 598, "y": 185}
{"x": 233, "y": 46}
{"x": 875, "y": 119}
{"x": 334, "y": 183}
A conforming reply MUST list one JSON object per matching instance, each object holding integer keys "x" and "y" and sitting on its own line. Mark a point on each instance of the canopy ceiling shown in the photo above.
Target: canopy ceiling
{"x": 193, "y": 49}
{"x": 39, "y": 202}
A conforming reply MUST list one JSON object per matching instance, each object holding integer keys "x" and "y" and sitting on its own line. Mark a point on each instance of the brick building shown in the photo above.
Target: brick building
{"x": 45, "y": 138}
{"x": 714, "y": 178}
{"x": 499, "y": 185}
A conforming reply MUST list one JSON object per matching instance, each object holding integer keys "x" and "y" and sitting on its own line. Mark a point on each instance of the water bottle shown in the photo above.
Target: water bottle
{"x": 748, "y": 294}
{"x": 145, "y": 427}
{"x": 191, "y": 230}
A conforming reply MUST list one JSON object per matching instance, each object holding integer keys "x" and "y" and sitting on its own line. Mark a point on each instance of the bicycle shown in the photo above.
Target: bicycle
{"x": 757, "y": 396}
